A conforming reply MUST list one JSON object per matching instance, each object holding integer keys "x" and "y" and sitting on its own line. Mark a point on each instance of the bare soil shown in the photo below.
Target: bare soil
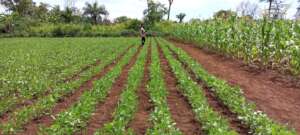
{"x": 273, "y": 93}
{"x": 140, "y": 122}
{"x": 104, "y": 111}
{"x": 179, "y": 106}
{"x": 217, "y": 105}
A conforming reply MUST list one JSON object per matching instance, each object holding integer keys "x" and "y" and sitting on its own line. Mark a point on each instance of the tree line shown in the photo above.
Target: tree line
{"x": 22, "y": 14}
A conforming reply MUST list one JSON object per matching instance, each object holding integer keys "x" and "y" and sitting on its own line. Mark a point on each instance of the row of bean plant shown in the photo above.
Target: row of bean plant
{"x": 128, "y": 102}
{"x": 11, "y": 102}
{"x": 76, "y": 117}
{"x": 211, "y": 122}
{"x": 45, "y": 104}
{"x": 232, "y": 97}
{"x": 30, "y": 66}
{"x": 162, "y": 122}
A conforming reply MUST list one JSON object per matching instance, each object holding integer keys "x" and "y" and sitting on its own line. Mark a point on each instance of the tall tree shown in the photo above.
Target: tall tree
{"x": 68, "y": 15}
{"x": 41, "y": 11}
{"x": 180, "y": 17}
{"x": 95, "y": 12}
{"x": 169, "y": 10}
{"x": 154, "y": 13}
{"x": 22, "y": 7}
{"x": 277, "y": 8}
{"x": 55, "y": 14}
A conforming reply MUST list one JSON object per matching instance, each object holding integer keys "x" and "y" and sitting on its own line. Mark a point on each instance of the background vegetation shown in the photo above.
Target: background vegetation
{"x": 256, "y": 36}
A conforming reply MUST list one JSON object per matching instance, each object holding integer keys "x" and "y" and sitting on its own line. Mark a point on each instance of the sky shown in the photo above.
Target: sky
{"x": 193, "y": 8}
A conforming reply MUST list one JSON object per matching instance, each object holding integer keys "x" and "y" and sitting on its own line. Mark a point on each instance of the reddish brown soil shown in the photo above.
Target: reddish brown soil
{"x": 222, "y": 109}
{"x": 280, "y": 100}
{"x": 33, "y": 126}
{"x": 216, "y": 104}
{"x": 140, "y": 122}
{"x": 104, "y": 111}
{"x": 180, "y": 109}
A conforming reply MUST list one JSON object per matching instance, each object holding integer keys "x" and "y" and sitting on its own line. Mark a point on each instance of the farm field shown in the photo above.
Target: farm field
{"x": 114, "y": 86}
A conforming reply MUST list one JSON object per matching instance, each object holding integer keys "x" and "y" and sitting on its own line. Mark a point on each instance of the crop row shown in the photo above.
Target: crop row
{"x": 233, "y": 98}
{"x": 264, "y": 41}
{"x": 211, "y": 122}
{"x": 76, "y": 117}
{"x": 128, "y": 101}
{"x": 30, "y": 66}
{"x": 43, "y": 105}
{"x": 162, "y": 123}
{"x": 10, "y": 102}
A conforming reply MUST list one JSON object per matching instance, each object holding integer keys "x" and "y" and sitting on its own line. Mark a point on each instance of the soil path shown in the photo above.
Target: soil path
{"x": 279, "y": 99}
{"x": 216, "y": 104}
{"x": 33, "y": 126}
{"x": 140, "y": 122}
{"x": 180, "y": 109}
{"x": 104, "y": 111}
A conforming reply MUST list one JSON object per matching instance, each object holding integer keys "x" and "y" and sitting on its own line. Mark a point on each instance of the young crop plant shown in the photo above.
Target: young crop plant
{"x": 128, "y": 102}
{"x": 212, "y": 123}
{"x": 11, "y": 102}
{"x": 76, "y": 117}
{"x": 45, "y": 104}
{"x": 162, "y": 122}
{"x": 233, "y": 98}
{"x": 30, "y": 66}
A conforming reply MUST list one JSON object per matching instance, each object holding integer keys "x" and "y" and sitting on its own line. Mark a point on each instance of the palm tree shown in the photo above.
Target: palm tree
{"x": 68, "y": 15}
{"x": 94, "y": 12}
{"x": 22, "y": 7}
{"x": 180, "y": 17}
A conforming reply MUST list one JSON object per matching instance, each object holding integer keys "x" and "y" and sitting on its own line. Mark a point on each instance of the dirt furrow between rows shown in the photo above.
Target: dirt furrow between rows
{"x": 216, "y": 104}
{"x": 180, "y": 109}
{"x": 140, "y": 122}
{"x": 104, "y": 110}
{"x": 279, "y": 100}
{"x": 33, "y": 126}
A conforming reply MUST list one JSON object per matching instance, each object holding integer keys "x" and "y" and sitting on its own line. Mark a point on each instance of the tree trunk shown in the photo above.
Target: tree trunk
{"x": 95, "y": 19}
{"x": 270, "y": 7}
{"x": 169, "y": 11}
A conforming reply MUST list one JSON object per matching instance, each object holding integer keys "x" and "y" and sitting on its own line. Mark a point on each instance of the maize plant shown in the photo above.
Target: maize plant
{"x": 272, "y": 43}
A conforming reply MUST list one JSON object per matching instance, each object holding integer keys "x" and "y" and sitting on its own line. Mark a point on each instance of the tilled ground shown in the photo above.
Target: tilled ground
{"x": 279, "y": 98}
{"x": 104, "y": 111}
{"x": 180, "y": 108}
{"x": 141, "y": 122}
{"x": 216, "y": 104}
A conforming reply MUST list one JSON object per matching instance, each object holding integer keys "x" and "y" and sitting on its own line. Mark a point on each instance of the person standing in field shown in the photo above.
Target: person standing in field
{"x": 143, "y": 34}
